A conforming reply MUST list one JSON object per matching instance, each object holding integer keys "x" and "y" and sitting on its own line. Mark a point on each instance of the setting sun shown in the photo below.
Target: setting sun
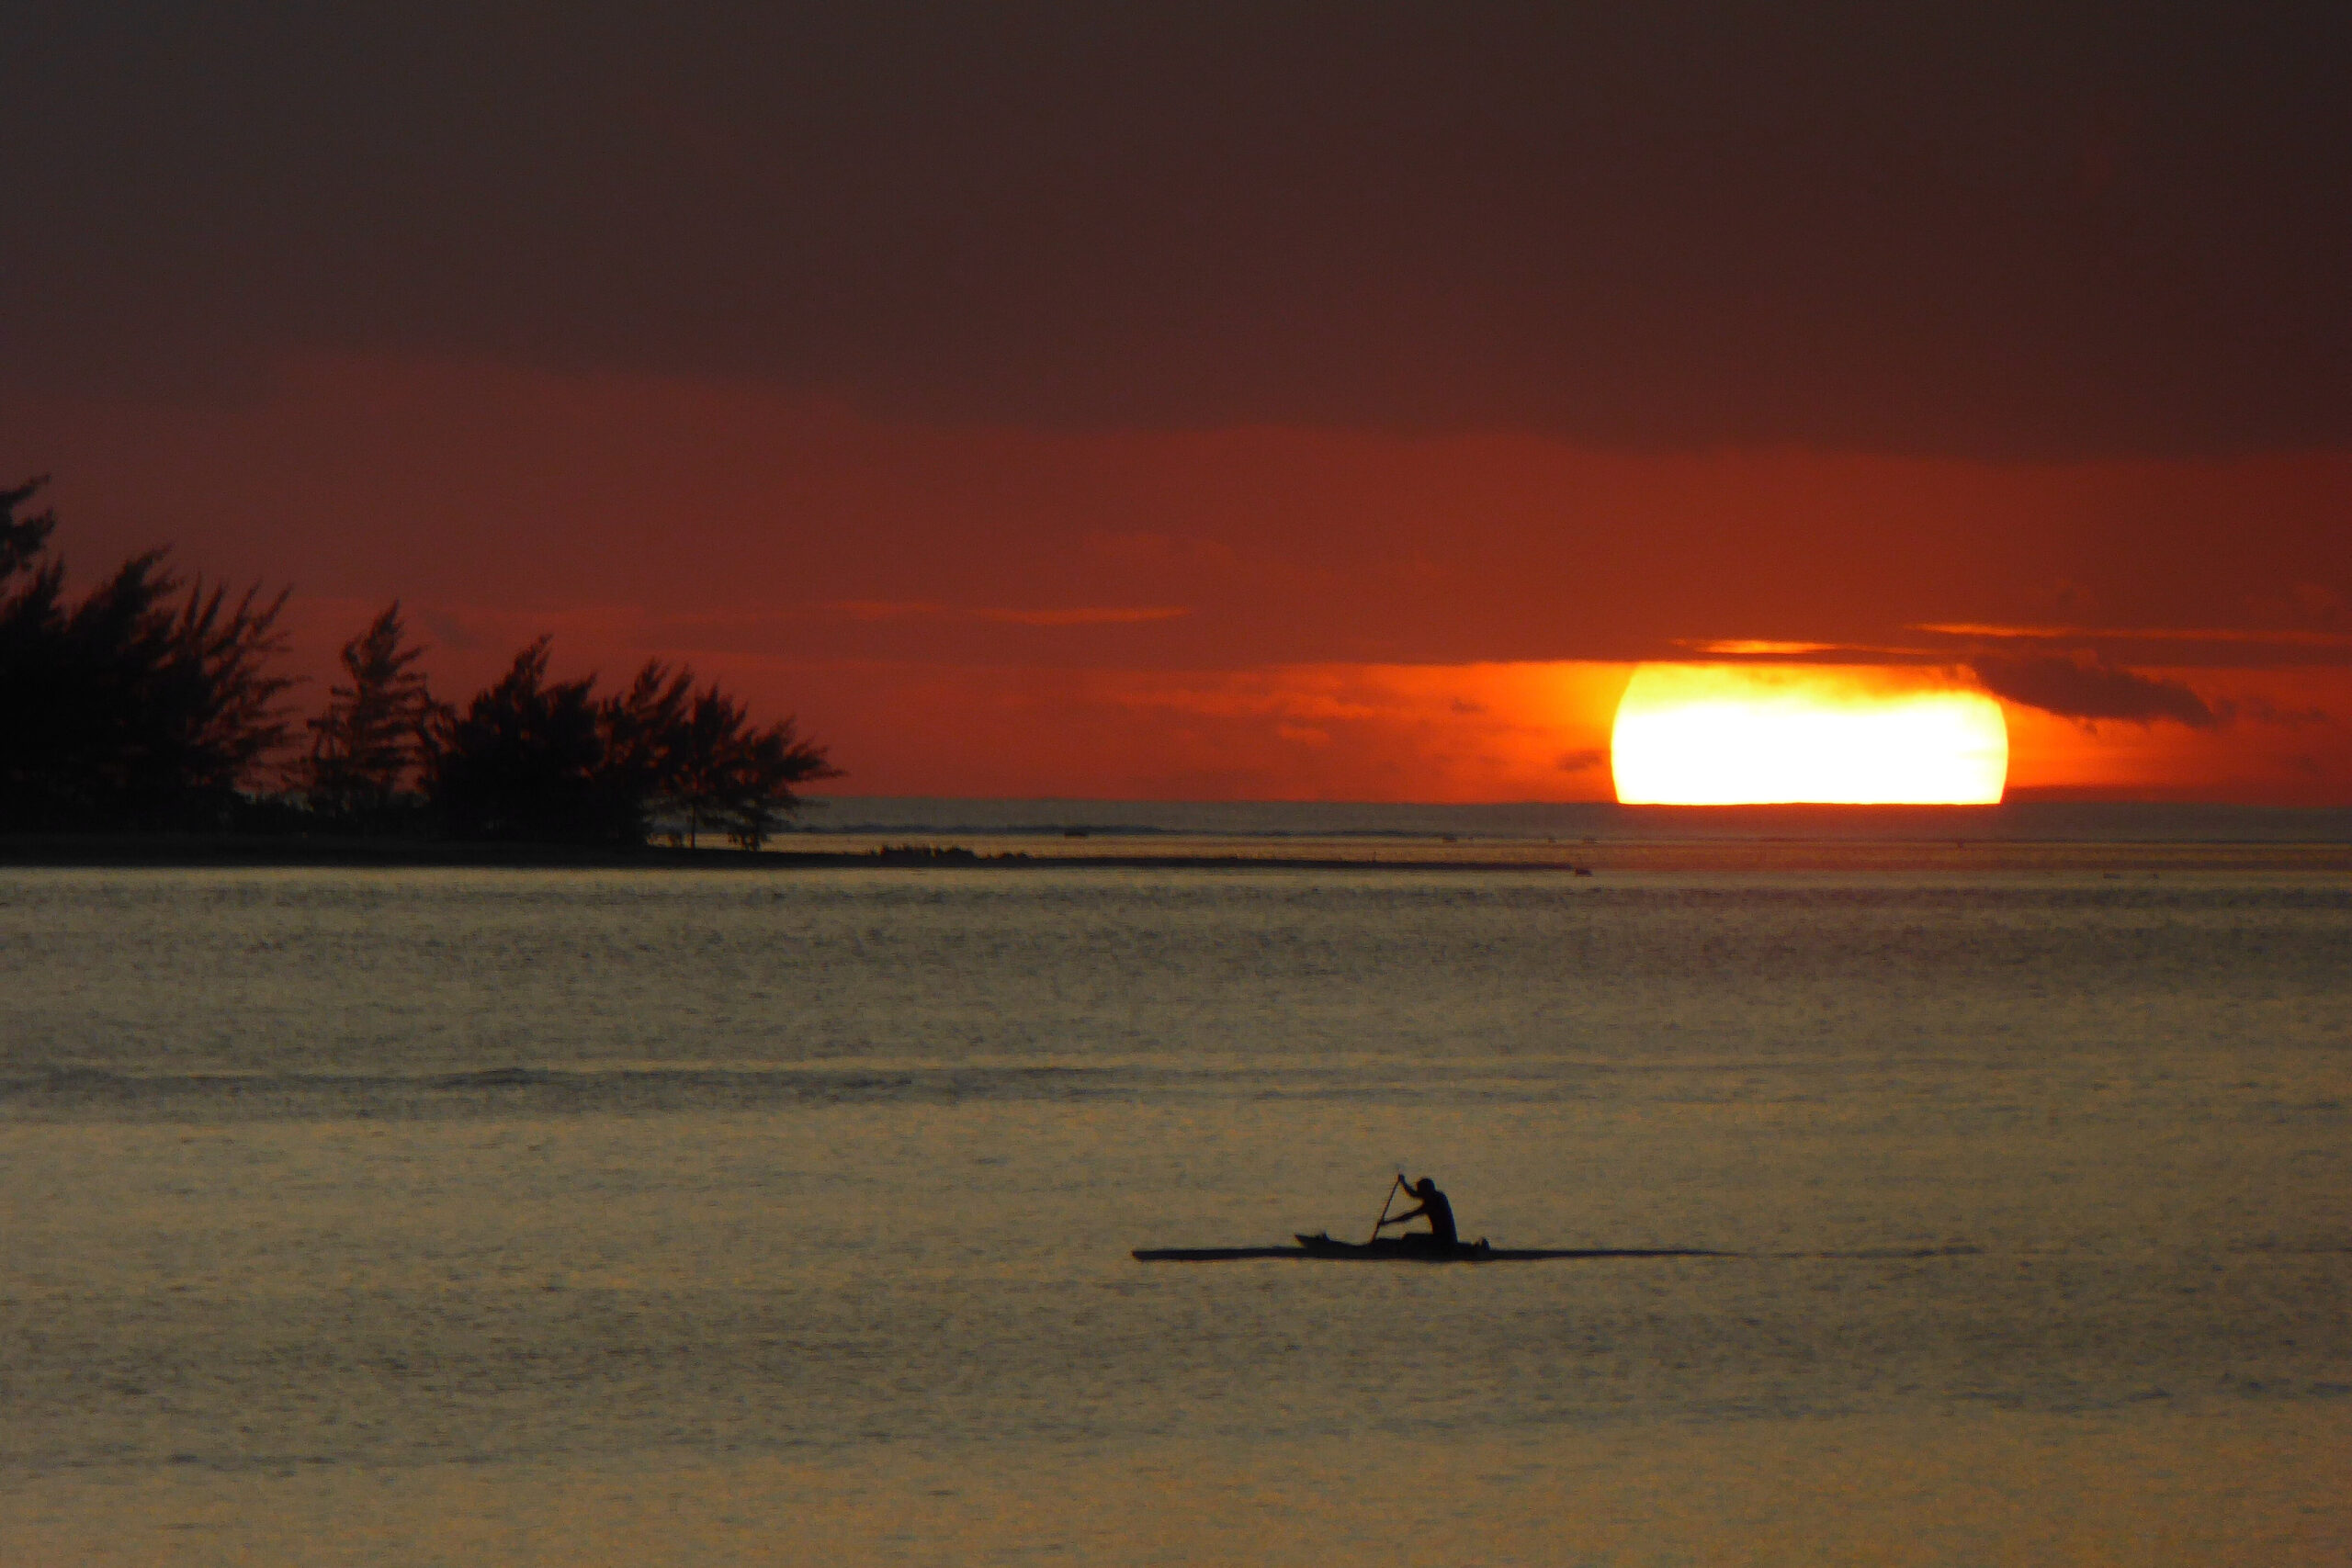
{"x": 1747, "y": 734}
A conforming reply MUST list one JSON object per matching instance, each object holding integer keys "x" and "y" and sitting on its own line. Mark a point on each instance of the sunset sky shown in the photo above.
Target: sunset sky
{"x": 1319, "y": 401}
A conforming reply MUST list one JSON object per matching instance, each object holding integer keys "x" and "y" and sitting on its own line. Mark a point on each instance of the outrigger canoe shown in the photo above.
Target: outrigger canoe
{"x": 1405, "y": 1249}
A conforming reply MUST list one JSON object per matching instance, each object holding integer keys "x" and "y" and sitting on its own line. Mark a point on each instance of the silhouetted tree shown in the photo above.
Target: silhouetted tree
{"x": 151, "y": 701}
{"x": 125, "y": 710}
{"x": 724, "y": 774}
{"x": 707, "y": 760}
{"x": 641, "y": 729}
{"x": 35, "y": 696}
{"x": 364, "y": 745}
{"x": 239, "y": 717}
{"x": 531, "y": 760}
{"x": 22, "y": 540}
{"x": 768, "y": 763}
{"x": 522, "y": 761}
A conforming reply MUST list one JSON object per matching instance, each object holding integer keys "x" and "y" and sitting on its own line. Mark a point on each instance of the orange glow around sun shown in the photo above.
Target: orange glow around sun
{"x": 1756, "y": 734}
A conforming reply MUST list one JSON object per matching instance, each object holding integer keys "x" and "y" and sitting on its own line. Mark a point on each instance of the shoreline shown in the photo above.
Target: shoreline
{"x": 132, "y": 852}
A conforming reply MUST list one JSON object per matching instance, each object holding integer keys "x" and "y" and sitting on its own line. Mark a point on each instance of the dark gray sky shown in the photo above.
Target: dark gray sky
{"x": 2040, "y": 230}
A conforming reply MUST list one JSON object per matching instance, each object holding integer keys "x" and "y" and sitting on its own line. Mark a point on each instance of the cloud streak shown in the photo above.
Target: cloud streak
{"x": 1080, "y": 615}
{"x": 2088, "y": 689}
{"x": 2225, "y": 635}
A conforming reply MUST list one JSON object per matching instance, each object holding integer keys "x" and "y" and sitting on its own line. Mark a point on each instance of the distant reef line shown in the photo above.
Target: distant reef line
{"x": 135, "y": 851}
{"x": 166, "y": 851}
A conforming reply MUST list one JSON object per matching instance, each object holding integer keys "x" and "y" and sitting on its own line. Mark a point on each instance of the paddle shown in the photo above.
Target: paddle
{"x": 1385, "y": 1202}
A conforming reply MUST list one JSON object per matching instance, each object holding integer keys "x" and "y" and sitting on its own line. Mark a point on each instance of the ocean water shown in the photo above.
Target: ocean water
{"x": 416, "y": 1216}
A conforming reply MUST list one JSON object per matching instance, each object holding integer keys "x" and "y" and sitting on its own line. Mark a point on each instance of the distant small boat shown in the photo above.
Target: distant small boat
{"x": 1419, "y": 1248}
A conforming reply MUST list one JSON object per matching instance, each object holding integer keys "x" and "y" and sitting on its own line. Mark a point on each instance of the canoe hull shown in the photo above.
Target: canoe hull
{"x": 1395, "y": 1249}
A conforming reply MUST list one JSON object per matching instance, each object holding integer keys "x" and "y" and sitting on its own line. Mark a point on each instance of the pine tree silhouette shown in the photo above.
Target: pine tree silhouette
{"x": 366, "y": 743}
{"x": 128, "y": 709}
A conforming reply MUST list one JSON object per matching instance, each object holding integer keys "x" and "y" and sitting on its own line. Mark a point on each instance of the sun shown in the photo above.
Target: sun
{"x": 1753, "y": 734}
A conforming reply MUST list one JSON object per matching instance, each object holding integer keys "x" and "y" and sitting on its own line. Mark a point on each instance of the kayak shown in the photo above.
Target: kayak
{"x": 1423, "y": 1248}
{"x": 1403, "y": 1249}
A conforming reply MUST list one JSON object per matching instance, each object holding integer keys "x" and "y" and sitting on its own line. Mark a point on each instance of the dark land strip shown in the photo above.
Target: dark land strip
{"x": 2119, "y": 860}
{"x": 132, "y": 852}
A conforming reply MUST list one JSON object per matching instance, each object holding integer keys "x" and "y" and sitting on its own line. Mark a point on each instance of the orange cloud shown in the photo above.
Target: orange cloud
{"x": 1083, "y": 616}
{"x": 1090, "y": 616}
{"x": 1737, "y": 648}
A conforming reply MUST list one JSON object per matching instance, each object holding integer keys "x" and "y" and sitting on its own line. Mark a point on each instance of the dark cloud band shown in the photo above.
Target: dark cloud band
{"x": 2035, "y": 230}
{"x": 2087, "y": 689}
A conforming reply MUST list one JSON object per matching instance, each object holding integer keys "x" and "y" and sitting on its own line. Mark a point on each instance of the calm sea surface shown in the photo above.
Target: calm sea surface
{"x": 414, "y": 1217}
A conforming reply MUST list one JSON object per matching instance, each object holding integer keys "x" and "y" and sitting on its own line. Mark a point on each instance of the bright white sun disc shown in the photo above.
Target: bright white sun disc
{"x": 1751, "y": 734}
